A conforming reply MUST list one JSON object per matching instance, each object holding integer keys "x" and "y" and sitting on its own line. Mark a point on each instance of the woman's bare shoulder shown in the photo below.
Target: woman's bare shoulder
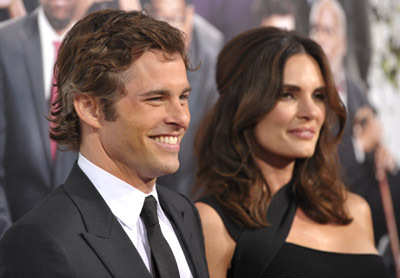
{"x": 357, "y": 206}
{"x": 359, "y": 209}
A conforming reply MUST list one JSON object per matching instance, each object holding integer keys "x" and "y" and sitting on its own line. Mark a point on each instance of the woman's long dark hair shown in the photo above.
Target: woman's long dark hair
{"x": 249, "y": 78}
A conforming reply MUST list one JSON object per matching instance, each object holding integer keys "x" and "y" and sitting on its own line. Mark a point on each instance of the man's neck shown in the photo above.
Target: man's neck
{"x": 122, "y": 172}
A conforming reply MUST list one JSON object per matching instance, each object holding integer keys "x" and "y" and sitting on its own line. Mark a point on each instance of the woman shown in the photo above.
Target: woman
{"x": 275, "y": 205}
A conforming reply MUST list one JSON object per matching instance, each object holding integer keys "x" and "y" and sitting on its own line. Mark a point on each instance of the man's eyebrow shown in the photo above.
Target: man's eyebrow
{"x": 154, "y": 92}
{"x": 187, "y": 89}
{"x": 163, "y": 92}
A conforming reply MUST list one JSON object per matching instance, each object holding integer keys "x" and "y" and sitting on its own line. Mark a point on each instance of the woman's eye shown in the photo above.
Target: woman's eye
{"x": 286, "y": 95}
{"x": 320, "y": 96}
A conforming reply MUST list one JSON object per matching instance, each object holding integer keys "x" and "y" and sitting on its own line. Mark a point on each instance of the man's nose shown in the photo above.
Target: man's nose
{"x": 178, "y": 114}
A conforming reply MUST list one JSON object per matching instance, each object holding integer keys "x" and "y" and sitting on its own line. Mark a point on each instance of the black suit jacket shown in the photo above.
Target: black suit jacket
{"x": 73, "y": 233}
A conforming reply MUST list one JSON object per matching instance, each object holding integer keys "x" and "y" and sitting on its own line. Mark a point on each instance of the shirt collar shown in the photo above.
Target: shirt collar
{"x": 124, "y": 200}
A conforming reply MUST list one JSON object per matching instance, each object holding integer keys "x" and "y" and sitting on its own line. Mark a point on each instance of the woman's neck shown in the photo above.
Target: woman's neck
{"x": 277, "y": 173}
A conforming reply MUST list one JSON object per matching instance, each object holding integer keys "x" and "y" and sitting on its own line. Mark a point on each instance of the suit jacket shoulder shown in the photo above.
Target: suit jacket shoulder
{"x": 74, "y": 229}
{"x": 14, "y": 30}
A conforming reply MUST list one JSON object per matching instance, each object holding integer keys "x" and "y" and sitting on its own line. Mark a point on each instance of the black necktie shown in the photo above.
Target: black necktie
{"x": 161, "y": 254}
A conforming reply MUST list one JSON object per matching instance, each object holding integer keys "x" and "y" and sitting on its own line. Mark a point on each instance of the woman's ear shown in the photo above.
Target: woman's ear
{"x": 88, "y": 109}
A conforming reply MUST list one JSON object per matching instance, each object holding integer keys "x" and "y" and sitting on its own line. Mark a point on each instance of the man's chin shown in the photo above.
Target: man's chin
{"x": 169, "y": 169}
{"x": 60, "y": 24}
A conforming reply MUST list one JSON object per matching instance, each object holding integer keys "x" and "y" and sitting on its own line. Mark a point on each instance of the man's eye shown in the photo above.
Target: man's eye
{"x": 155, "y": 99}
{"x": 184, "y": 97}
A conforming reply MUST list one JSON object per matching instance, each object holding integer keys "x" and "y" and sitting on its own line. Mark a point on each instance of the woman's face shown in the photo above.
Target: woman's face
{"x": 291, "y": 129}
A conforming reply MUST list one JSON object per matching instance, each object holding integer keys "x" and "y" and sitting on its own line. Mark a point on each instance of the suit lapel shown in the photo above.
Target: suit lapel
{"x": 103, "y": 232}
{"x": 118, "y": 253}
{"x": 182, "y": 229}
{"x": 34, "y": 67}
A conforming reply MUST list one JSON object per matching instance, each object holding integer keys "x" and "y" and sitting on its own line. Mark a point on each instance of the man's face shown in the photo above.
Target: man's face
{"x": 326, "y": 31}
{"x": 59, "y": 12}
{"x": 152, "y": 118}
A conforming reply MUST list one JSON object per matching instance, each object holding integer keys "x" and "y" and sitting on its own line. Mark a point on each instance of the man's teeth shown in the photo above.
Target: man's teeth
{"x": 172, "y": 140}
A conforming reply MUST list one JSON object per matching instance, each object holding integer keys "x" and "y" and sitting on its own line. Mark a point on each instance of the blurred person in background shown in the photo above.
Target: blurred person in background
{"x": 30, "y": 164}
{"x": 276, "y": 13}
{"x": 229, "y": 16}
{"x": 362, "y": 152}
{"x": 16, "y": 8}
{"x": 89, "y": 6}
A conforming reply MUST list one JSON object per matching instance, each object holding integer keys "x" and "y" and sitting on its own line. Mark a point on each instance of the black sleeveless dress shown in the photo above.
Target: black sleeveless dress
{"x": 264, "y": 253}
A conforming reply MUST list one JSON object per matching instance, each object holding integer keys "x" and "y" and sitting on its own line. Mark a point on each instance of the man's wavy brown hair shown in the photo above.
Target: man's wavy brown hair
{"x": 249, "y": 79}
{"x": 94, "y": 59}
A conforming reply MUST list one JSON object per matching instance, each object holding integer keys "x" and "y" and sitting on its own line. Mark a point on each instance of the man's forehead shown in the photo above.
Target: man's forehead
{"x": 158, "y": 56}
{"x": 152, "y": 62}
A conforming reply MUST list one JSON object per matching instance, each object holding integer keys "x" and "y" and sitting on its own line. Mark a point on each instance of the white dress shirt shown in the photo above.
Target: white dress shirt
{"x": 126, "y": 202}
{"x": 47, "y": 38}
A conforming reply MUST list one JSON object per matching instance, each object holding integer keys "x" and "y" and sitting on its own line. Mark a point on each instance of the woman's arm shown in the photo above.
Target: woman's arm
{"x": 219, "y": 244}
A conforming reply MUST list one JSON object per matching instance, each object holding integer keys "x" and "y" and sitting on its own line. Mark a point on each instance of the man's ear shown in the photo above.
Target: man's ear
{"x": 88, "y": 109}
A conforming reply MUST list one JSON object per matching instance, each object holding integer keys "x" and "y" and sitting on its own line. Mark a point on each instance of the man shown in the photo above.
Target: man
{"x": 276, "y": 13}
{"x": 362, "y": 152}
{"x": 203, "y": 42}
{"x": 29, "y": 167}
{"x": 122, "y": 102}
